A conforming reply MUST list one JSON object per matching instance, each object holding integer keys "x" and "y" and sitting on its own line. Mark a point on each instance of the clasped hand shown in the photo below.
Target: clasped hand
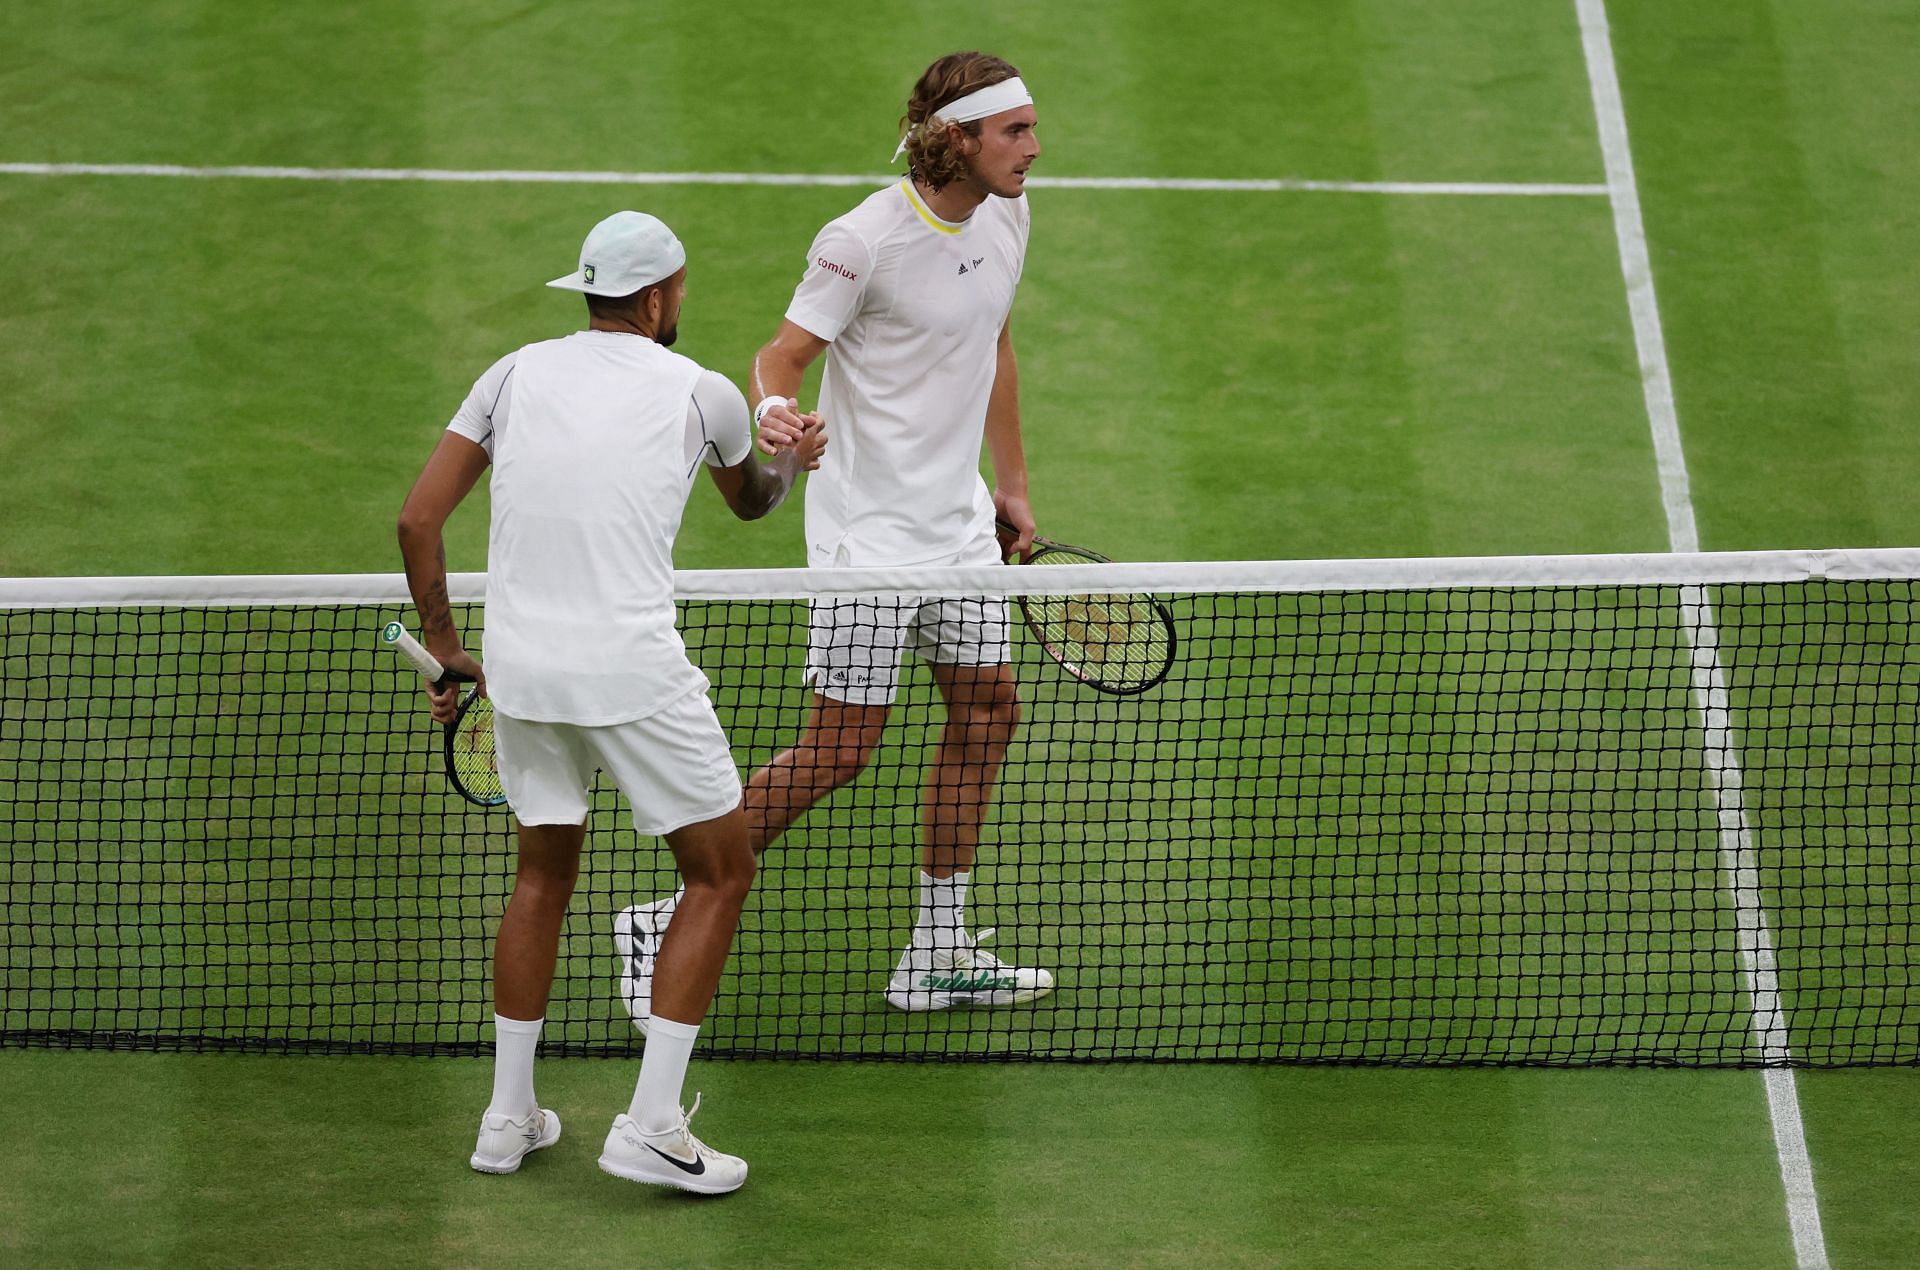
{"x": 784, "y": 429}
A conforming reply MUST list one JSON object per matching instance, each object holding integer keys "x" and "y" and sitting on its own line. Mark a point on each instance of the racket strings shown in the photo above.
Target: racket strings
{"x": 471, "y": 749}
{"x": 1119, "y": 642}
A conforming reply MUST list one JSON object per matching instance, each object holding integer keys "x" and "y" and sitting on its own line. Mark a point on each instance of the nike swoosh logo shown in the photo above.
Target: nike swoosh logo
{"x": 698, "y": 1166}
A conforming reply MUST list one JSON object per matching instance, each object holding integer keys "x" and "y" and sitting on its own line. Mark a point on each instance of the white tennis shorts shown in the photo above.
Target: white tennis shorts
{"x": 673, "y": 766}
{"x": 853, "y": 645}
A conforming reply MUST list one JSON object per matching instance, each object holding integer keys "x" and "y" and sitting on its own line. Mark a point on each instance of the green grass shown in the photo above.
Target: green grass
{"x": 329, "y": 1159}
{"x": 1346, "y": 401}
{"x": 222, "y": 376}
{"x": 1338, "y": 373}
{"x": 1781, "y": 222}
{"x": 1860, "y": 1128}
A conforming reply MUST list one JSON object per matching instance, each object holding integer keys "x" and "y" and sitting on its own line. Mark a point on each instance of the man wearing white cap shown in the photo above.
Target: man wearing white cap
{"x": 908, "y": 295}
{"x": 595, "y": 440}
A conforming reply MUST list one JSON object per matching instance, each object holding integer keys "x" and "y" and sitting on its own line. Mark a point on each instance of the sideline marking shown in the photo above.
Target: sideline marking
{"x": 1737, "y": 859}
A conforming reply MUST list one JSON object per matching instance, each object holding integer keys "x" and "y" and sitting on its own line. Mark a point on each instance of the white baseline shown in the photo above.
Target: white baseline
{"x": 1737, "y": 858}
{"x": 509, "y": 176}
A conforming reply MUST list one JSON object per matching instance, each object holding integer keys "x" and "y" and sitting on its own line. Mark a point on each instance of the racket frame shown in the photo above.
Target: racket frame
{"x": 1044, "y": 547}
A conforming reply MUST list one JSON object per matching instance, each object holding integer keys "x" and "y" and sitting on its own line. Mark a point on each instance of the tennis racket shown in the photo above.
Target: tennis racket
{"x": 1118, "y": 644}
{"x": 469, "y": 742}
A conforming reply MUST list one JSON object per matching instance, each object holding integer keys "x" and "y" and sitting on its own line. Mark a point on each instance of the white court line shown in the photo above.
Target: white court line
{"x": 1709, "y": 681}
{"x": 508, "y": 176}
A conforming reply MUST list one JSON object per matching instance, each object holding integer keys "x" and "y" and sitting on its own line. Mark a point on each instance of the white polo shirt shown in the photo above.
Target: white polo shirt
{"x": 912, "y": 307}
{"x": 596, "y": 439}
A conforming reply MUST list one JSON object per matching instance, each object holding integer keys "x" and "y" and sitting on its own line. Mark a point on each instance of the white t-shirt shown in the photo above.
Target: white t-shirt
{"x": 596, "y": 439}
{"x": 913, "y": 307}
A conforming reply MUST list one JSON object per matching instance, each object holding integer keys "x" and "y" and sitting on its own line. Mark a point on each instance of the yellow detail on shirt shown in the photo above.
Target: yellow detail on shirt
{"x": 913, "y": 196}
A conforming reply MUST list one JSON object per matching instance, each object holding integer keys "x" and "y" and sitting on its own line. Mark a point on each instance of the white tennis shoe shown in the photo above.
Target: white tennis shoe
{"x": 504, "y": 1143}
{"x": 671, "y": 1158}
{"x": 637, "y": 933}
{"x": 941, "y": 978}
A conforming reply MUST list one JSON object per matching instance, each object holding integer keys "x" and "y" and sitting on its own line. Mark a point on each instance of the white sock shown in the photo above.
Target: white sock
{"x": 943, "y": 911}
{"x": 663, "y": 1069}
{"x": 514, "y": 1041}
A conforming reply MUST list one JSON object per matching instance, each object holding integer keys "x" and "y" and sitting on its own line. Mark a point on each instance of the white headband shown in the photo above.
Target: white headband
{"x": 1008, "y": 94}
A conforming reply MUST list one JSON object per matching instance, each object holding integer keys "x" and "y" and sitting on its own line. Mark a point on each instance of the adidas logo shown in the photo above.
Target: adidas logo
{"x": 979, "y": 982}
{"x": 976, "y": 263}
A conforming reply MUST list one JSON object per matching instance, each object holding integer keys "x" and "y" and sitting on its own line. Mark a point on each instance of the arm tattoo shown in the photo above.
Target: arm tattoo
{"x": 436, "y": 616}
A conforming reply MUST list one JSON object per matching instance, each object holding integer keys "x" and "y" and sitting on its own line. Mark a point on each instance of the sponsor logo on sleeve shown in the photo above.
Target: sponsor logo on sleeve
{"x": 832, "y": 267}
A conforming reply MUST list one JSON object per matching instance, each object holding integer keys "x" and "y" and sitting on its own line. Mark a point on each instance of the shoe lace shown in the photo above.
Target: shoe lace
{"x": 686, "y": 1127}
{"x": 979, "y": 958}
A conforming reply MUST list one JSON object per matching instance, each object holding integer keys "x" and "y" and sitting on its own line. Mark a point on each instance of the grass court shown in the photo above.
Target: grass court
{"x": 225, "y": 374}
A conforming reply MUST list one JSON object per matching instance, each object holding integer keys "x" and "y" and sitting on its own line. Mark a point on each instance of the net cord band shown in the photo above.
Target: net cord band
{"x": 1417, "y": 573}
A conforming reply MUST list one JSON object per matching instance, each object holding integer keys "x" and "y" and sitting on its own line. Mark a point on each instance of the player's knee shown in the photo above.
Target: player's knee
{"x": 726, "y": 875}
{"x": 1007, "y": 708}
{"x": 995, "y": 709}
{"x": 545, "y": 885}
{"x": 736, "y": 874}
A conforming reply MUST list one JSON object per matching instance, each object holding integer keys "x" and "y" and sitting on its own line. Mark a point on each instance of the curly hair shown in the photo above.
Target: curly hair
{"x": 931, "y": 155}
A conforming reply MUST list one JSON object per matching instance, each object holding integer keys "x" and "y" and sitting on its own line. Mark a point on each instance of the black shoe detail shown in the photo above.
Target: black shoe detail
{"x": 698, "y": 1166}
{"x": 643, "y": 950}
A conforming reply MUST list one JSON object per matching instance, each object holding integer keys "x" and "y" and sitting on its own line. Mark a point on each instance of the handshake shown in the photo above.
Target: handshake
{"x": 784, "y": 430}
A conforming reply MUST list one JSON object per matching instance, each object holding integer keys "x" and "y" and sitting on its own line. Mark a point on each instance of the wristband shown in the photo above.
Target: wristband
{"x": 766, "y": 404}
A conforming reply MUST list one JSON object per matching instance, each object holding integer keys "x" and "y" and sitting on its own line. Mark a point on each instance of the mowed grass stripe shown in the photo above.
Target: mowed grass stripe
{"x": 1303, "y": 354}
{"x": 318, "y": 1162}
{"x": 1227, "y": 92}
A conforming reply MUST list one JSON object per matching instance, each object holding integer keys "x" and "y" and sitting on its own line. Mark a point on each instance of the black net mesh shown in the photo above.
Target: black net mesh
{"x": 1487, "y": 825}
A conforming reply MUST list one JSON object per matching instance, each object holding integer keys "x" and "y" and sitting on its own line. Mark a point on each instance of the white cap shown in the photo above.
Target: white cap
{"x": 623, "y": 253}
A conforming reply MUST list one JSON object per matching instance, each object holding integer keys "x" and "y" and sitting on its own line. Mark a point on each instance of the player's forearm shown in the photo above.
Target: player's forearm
{"x": 768, "y": 485}
{"x": 424, "y": 553}
{"x": 455, "y": 465}
{"x": 775, "y": 373}
{"x": 1004, "y": 444}
{"x": 1008, "y": 453}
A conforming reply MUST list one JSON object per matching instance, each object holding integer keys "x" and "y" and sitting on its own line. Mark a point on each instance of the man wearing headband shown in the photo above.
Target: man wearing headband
{"x": 595, "y": 441}
{"x": 908, "y": 295}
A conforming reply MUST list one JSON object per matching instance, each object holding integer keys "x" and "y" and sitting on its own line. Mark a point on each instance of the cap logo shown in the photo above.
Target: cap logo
{"x": 586, "y": 272}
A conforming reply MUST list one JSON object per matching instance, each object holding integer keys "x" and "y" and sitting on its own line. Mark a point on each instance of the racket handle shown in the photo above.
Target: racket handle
{"x": 1002, "y": 525}
{"x": 410, "y": 648}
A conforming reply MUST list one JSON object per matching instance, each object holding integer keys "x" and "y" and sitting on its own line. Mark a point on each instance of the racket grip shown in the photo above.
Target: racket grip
{"x": 407, "y": 646}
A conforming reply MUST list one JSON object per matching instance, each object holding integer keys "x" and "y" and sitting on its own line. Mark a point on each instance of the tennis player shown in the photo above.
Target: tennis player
{"x": 909, "y": 296}
{"x": 594, "y": 441}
